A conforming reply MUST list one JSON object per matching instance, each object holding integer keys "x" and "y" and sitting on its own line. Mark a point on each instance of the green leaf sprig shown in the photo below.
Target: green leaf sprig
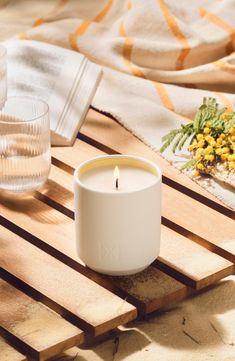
{"x": 209, "y": 131}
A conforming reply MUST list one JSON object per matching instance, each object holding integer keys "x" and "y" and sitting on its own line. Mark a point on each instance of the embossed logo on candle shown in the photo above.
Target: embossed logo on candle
{"x": 109, "y": 251}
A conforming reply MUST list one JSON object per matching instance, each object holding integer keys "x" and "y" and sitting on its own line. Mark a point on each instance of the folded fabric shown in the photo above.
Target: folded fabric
{"x": 160, "y": 57}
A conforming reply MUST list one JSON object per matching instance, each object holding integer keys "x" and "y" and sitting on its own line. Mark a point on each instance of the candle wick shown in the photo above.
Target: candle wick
{"x": 116, "y": 183}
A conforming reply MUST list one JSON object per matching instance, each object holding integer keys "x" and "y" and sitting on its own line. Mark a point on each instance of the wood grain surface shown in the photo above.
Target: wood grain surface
{"x": 8, "y": 353}
{"x": 87, "y": 304}
{"x": 59, "y": 233}
{"x": 41, "y": 269}
{"x": 155, "y": 289}
{"x": 192, "y": 264}
{"x": 26, "y": 260}
{"x": 38, "y": 331}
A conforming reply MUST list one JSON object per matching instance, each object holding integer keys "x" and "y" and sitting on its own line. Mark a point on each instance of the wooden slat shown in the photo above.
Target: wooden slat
{"x": 85, "y": 152}
{"x": 28, "y": 257}
{"x": 153, "y": 288}
{"x": 108, "y": 132}
{"x": 81, "y": 300}
{"x": 192, "y": 263}
{"x": 202, "y": 224}
{"x": 53, "y": 190}
{"x": 210, "y": 267}
{"x": 8, "y": 353}
{"x": 37, "y": 331}
{"x": 216, "y": 231}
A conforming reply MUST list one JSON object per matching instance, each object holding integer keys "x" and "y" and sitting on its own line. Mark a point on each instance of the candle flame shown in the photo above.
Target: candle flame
{"x": 116, "y": 176}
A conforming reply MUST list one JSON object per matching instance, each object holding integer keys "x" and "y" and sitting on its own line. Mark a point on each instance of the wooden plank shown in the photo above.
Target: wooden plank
{"x": 53, "y": 190}
{"x": 214, "y": 268}
{"x": 215, "y": 230}
{"x": 79, "y": 153}
{"x": 153, "y": 288}
{"x": 209, "y": 228}
{"x": 29, "y": 257}
{"x": 193, "y": 264}
{"x": 108, "y": 132}
{"x": 8, "y": 353}
{"x": 37, "y": 331}
{"x": 82, "y": 301}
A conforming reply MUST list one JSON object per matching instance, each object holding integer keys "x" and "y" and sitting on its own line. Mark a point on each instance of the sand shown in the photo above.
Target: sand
{"x": 199, "y": 329}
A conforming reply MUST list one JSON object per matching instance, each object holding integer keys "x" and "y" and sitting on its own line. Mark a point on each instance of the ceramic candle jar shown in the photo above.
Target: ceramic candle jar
{"x": 118, "y": 213}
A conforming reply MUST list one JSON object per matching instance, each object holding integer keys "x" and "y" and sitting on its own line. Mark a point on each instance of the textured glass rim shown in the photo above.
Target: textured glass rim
{"x": 3, "y": 51}
{"x": 25, "y": 120}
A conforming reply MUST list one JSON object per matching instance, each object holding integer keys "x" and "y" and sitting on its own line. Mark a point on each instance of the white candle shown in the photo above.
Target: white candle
{"x": 130, "y": 179}
{"x": 117, "y": 213}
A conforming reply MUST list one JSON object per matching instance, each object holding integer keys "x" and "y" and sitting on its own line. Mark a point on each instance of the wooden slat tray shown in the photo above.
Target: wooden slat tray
{"x": 51, "y": 301}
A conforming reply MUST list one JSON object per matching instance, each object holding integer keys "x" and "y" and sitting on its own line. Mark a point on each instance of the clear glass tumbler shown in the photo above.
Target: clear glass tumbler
{"x": 3, "y": 75}
{"x": 25, "y": 155}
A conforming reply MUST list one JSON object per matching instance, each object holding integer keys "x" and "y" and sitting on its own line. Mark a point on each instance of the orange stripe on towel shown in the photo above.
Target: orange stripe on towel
{"x": 128, "y": 48}
{"x": 103, "y": 12}
{"x": 225, "y": 101}
{"x": 177, "y": 33}
{"x": 82, "y": 28}
{"x": 55, "y": 11}
{"x": 23, "y": 35}
{"x": 129, "y": 5}
{"x": 39, "y": 21}
{"x": 165, "y": 99}
{"x": 127, "y": 52}
{"x": 221, "y": 24}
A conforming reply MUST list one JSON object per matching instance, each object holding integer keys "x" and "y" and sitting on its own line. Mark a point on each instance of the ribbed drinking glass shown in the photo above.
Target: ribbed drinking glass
{"x": 25, "y": 156}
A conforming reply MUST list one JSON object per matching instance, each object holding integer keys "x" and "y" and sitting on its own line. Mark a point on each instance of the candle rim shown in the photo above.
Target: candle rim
{"x": 149, "y": 166}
